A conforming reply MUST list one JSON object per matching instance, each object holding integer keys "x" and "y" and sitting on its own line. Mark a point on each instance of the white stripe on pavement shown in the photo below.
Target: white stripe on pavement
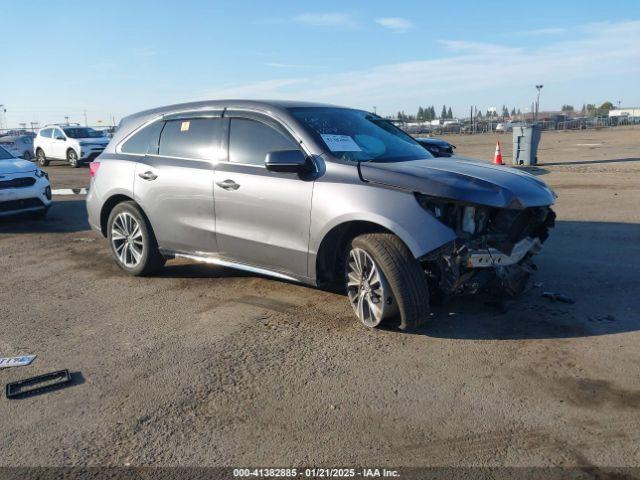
{"x": 70, "y": 191}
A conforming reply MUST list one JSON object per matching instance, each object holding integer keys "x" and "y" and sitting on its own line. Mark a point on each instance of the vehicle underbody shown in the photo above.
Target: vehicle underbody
{"x": 492, "y": 254}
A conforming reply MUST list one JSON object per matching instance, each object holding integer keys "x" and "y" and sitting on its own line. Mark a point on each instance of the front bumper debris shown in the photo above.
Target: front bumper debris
{"x": 491, "y": 257}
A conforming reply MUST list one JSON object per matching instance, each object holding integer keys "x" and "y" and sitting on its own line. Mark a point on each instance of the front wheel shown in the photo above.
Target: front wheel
{"x": 385, "y": 282}
{"x": 133, "y": 244}
{"x": 27, "y": 155}
{"x": 41, "y": 158}
{"x": 72, "y": 158}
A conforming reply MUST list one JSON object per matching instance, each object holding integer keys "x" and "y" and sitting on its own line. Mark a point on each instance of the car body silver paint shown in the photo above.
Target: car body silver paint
{"x": 274, "y": 222}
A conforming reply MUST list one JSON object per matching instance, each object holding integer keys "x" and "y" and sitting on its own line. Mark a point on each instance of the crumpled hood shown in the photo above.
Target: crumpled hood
{"x": 16, "y": 165}
{"x": 464, "y": 180}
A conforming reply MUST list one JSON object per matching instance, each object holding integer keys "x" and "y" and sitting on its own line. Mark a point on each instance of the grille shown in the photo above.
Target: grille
{"x": 20, "y": 204}
{"x": 17, "y": 182}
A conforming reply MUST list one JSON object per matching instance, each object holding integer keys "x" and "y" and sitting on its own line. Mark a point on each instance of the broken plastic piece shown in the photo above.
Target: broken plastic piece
{"x": 39, "y": 384}
{"x": 16, "y": 361}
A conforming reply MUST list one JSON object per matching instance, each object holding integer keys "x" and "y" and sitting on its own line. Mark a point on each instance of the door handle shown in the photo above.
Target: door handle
{"x": 228, "y": 185}
{"x": 148, "y": 175}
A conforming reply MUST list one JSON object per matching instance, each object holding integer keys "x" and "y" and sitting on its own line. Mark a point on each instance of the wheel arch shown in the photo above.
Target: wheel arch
{"x": 108, "y": 207}
{"x": 69, "y": 149}
{"x": 329, "y": 258}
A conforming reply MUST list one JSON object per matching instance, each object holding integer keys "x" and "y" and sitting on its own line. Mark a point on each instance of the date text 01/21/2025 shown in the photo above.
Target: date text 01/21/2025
{"x": 315, "y": 472}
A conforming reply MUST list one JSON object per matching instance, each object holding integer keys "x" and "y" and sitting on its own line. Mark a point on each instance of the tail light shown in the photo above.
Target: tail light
{"x": 93, "y": 168}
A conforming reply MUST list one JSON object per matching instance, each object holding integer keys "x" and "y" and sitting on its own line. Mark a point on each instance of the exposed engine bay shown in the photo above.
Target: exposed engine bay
{"x": 493, "y": 251}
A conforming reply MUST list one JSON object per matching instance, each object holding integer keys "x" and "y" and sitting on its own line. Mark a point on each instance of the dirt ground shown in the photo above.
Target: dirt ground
{"x": 207, "y": 366}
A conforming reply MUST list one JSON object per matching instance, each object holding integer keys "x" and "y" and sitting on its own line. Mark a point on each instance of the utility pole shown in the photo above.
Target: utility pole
{"x": 4, "y": 114}
{"x": 374, "y": 110}
{"x": 85, "y": 117}
{"x": 66, "y": 118}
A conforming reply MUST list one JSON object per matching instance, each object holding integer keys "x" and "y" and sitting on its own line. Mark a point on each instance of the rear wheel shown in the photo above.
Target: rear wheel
{"x": 72, "y": 158}
{"x": 41, "y": 158}
{"x": 385, "y": 283}
{"x": 133, "y": 244}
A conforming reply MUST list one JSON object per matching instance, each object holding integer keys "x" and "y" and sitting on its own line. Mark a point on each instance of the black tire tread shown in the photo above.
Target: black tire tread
{"x": 404, "y": 274}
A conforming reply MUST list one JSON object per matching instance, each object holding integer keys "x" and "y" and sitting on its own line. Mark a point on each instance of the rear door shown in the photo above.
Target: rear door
{"x": 174, "y": 182}
{"x": 262, "y": 217}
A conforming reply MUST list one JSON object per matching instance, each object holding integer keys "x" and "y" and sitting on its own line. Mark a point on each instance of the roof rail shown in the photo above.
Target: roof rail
{"x": 62, "y": 125}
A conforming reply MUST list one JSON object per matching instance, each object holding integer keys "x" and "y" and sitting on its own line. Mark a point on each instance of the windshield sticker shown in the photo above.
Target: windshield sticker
{"x": 185, "y": 126}
{"x": 340, "y": 143}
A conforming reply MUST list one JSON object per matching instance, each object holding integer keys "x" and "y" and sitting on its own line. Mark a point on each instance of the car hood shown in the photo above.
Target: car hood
{"x": 433, "y": 141}
{"x": 16, "y": 165}
{"x": 460, "y": 179}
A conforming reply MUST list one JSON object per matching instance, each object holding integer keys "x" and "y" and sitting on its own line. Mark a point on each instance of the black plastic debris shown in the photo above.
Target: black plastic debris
{"x": 39, "y": 384}
{"x": 558, "y": 297}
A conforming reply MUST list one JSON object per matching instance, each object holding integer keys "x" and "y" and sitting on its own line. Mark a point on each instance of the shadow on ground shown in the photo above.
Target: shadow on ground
{"x": 64, "y": 216}
{"x": 595, "y": 263}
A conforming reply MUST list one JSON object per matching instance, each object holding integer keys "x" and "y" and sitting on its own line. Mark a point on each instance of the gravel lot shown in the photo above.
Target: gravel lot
{"x": 207, "y": 366}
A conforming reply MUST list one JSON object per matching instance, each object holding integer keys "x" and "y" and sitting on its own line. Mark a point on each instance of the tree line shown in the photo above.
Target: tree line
{"x": 426, "y": 114}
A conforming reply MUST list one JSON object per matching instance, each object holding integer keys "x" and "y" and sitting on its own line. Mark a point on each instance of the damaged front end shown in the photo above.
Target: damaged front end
{"x": 492, "y": 252}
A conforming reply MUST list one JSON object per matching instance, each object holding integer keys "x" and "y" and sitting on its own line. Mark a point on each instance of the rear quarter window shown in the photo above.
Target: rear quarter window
{"x": 144, "y": 140}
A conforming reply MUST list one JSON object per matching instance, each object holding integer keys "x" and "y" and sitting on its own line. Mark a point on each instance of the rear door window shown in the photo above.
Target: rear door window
{"x": 196, "y": 138}
{"x": 250, "y": 141}
{"x": 46, "y": 133}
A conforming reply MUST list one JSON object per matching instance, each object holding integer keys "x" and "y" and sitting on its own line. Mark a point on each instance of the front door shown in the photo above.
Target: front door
{"x": 59, "y": 144}
{"x": 174, "y": 183}
{"x": 262, "y": 217}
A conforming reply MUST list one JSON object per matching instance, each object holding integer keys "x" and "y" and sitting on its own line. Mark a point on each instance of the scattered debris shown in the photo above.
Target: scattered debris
{"x": 538, "y": 285}
{"x": 16, "y": 361}
{"x": 558, "y": 297}
{"x": 40, "y": 384}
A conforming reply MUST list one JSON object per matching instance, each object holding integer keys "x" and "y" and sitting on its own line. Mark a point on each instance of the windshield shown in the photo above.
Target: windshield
{"x": 82, "y": 132}
{"x": 4, "y": 155}
{"x": 358, "y": 136}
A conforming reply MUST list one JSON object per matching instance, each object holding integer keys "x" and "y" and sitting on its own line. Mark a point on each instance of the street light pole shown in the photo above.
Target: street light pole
{"x": 538, "y": 87}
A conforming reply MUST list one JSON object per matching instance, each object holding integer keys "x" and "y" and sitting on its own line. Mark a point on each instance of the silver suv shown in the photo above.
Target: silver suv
{"x": 318, "y": 194}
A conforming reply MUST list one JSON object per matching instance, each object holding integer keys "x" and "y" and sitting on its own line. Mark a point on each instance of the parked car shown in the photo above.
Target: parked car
{"x": 436, "y": 146}
{"x": 24, "y": 188}
{"x": 20, "y": 146}
{"x": 73, "y": 143}
{"x": 317, "y": 194}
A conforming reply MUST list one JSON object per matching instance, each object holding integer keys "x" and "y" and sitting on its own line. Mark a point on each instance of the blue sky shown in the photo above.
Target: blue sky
{"x": 114, "y": 58}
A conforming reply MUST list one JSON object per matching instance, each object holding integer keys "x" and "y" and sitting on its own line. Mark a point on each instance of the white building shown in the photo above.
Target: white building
{"x": 625, "y": 112}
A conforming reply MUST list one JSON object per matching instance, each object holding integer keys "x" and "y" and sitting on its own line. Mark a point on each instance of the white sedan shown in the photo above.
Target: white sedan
{"x": 24, "y": 188}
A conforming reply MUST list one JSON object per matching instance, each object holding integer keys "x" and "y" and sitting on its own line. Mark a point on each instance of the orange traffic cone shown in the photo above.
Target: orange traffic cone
{"x": 497, "y": 159}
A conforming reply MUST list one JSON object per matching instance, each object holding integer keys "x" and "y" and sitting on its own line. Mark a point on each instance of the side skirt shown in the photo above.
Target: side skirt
{"x": 214, "y": 260}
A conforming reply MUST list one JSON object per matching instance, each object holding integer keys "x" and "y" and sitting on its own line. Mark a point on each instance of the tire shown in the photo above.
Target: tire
{"x": 72, "y": 158}
{"x": 141, "y": 256}
{"x": 27, "y": 155}
{"x": 402, "y": 280}
{"x": 41, "y": 159}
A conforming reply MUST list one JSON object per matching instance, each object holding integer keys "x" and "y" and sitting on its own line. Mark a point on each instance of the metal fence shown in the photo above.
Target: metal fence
{"x": 483, "y": 126}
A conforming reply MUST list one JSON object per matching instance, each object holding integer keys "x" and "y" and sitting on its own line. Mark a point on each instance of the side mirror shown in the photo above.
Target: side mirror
{"x": 292, "y": 161}
{"x": 61, "y": 138}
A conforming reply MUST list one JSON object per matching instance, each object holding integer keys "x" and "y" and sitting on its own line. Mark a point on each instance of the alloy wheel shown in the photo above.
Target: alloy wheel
{"x": 127, "y": 240}
{"x": 72, "y": 158}
{"x": 367, "y": 288}
{"x": 41, "y": 158}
